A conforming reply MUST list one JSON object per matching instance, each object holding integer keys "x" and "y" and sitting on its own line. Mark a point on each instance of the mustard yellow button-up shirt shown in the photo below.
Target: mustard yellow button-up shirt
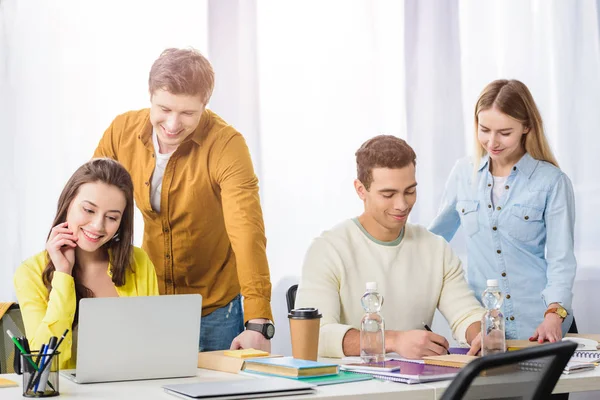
{"x": 45, "y": 316}
{"x": 209, "y": 236}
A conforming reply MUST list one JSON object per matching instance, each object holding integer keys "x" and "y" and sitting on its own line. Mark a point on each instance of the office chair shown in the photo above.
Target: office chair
{"x": 528, "y": 374}
{"x": 10, "y": 320}
{"x": 290, "y": 296}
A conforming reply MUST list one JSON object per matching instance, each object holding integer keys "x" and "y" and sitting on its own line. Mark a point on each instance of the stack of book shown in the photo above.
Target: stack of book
{"x": 313, "y": 372}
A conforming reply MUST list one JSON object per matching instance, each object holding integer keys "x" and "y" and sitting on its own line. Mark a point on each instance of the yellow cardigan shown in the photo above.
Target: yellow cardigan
{"x": 45, "y": 317}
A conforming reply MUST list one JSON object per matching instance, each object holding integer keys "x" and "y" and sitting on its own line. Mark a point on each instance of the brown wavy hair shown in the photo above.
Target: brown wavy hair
{"x": 383, "y": 151}
{"x": 111, "y": 173}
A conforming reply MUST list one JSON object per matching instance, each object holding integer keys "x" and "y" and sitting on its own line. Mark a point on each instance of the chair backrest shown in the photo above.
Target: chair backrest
{"x": 530, "y": 374}
{"x": 10, "y": 320}
{"x": 290, "y": 296}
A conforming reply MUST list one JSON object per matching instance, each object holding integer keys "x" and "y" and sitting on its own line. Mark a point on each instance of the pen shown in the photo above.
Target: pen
{"x": 45, "y": 371}
{"x": 21, "y": 349}
{"x": 49, "y": 360}
{"x": 428, "y": 329}
{"x": 40, "y": 361}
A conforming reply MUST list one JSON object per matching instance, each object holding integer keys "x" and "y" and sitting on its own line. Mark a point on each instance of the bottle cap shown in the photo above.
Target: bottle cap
{"x": 371, "y": 285}
{"x": 492, "y": 282}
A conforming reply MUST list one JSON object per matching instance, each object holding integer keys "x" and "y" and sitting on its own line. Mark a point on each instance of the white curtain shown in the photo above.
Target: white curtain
{"x": 67, "y": 68}
{"x": 306, "y": 81}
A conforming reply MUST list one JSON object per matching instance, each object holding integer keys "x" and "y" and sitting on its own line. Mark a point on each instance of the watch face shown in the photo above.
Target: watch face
{"x": 562, "y": 312}
{"x": 270, "y": 330}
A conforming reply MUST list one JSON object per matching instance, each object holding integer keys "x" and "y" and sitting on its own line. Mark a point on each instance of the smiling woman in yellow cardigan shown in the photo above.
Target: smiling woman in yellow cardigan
{"x": 88, "y": 254}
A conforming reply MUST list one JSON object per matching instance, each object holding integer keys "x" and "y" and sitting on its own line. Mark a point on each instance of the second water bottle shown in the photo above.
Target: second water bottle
{"x": 492, "y": 324}
{"x": 372, "y": 328}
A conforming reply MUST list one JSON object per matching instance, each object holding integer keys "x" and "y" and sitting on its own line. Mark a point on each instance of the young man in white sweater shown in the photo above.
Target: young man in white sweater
{"x": 416, "y": 271}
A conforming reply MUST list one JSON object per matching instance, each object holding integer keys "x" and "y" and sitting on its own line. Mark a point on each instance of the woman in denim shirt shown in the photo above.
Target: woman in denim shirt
{"x": 518, "y": 211}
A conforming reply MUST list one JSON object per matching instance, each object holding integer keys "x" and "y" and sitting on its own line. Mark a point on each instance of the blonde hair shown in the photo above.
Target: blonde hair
{"x": 513, "y": 98}
{"x": 182, "y": 71}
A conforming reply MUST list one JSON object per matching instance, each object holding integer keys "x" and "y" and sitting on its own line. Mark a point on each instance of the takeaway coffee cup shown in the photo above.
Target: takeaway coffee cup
{"x": 304, "y": 330}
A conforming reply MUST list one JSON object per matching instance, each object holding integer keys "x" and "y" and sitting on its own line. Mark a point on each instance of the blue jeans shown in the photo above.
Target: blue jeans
{"x": 219, "y": 328}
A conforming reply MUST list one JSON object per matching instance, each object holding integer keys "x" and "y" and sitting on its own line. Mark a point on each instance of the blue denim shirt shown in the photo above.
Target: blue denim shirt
{"x": 525, "y": 241}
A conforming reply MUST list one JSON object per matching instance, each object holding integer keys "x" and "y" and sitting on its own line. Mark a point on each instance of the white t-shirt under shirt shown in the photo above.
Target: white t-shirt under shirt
{"x": 157, "y": 176}
{"x": 416, "y": 274}
{"x": 498, "y": 189}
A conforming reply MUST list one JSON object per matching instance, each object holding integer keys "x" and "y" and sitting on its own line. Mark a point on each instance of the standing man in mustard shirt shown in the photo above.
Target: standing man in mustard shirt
{"x": 197, "y": 191}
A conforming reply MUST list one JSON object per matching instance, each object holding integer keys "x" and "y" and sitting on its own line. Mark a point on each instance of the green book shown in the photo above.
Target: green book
{"x": 341, "y": 377}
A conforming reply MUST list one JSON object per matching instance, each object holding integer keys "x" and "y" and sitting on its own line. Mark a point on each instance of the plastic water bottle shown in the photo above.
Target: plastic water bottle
{"x": 372, "y": 329}
{"x": 493, "y": 338}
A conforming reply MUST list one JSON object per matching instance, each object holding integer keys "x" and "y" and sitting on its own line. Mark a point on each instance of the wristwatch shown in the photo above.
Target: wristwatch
{"x": 560, "y": 310}
{"x": 267, "y": 329}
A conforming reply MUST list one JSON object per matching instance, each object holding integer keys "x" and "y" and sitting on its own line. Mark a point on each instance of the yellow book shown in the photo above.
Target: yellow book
{"x": 4, "y": 383}
{"x": 245, "y": 353}
{"x": 512, "y": 345}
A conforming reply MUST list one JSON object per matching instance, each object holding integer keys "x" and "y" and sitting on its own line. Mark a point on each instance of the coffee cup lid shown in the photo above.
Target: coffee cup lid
{"x": 304, "y": 313}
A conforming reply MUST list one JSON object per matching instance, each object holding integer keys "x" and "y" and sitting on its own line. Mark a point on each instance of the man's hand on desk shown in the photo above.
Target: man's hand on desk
{"x": 252, "y": 339}
{"x": 475, "y": 345}
{"x": 416, "y": 344}
{"x": 474, "y": 338}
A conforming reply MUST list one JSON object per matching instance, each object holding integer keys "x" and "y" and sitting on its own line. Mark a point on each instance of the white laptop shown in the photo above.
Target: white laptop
{"x": 130, "y": 338}
{"x": 241, "y": 389}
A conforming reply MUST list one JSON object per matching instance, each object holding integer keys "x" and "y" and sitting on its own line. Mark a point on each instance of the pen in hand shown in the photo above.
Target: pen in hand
{"x": 428, "y": 329}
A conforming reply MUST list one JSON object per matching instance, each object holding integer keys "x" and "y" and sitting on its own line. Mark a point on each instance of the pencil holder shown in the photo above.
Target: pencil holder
{"x": 40, "y": 374}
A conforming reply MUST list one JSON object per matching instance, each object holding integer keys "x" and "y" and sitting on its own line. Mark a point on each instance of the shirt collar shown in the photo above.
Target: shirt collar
{"x": 484, "y": 162}
{"x": 526, "y": 164}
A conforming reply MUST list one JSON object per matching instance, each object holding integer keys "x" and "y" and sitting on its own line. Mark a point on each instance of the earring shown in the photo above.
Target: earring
{"x": 116, "y": 238}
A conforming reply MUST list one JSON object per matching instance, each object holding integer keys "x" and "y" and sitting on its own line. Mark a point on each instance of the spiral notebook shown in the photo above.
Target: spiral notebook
{"x": 586, "y": 356}
{"x": 410, "y": 372}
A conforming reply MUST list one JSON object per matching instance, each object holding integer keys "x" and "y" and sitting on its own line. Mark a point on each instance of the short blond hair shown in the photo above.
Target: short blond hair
{"x": 182, "y": 71}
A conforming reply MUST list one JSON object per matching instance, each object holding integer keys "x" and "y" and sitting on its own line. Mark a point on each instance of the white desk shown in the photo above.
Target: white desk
{"x": 149, "y": 390}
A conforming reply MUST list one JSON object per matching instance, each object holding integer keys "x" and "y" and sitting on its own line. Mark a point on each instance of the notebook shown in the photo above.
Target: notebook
{"x": 586, "y": 356}
{"x": 411, "y": 372}
{"x": 240, "y": 389}
{"x": 218, "y": 361}
{"x": 396, "y": 356}
{"x": 450, "y": 360}
{"x": 341, "y": 377}
{"x": 289, "y": 367}
{"x": 582, "y": 344}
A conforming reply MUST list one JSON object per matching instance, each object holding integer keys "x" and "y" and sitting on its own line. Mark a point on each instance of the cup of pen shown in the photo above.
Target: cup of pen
{"x": 40, "y": 374}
